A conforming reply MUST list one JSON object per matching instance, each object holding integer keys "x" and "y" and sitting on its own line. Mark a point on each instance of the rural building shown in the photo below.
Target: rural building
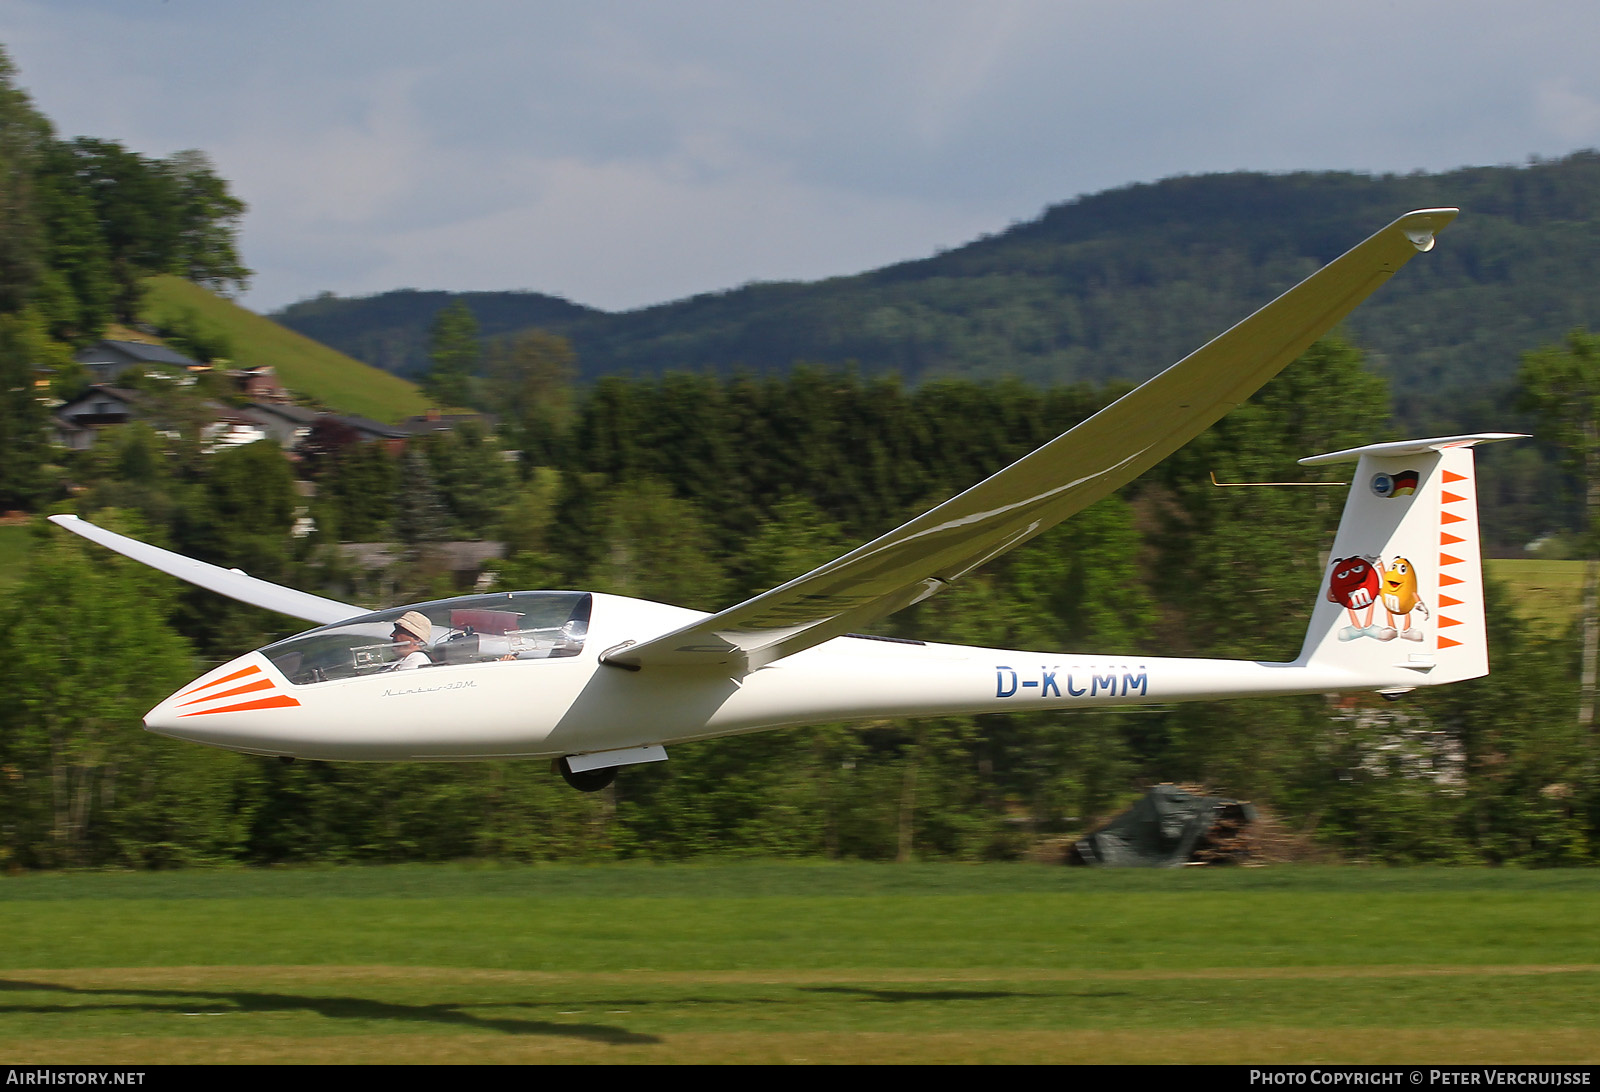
{"x": 77, "y": 421}
{"x": 107, "y": 360}
{"x": 284, "y": 423}
{"x": 261, "y": 385}
{"x": 434, "y": 421}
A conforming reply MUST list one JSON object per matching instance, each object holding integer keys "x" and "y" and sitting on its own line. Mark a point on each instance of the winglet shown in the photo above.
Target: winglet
{"x": 1421, "y": 226}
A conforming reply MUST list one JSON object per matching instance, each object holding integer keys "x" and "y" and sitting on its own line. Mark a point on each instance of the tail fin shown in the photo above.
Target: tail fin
{"x": 1401, "y": 601}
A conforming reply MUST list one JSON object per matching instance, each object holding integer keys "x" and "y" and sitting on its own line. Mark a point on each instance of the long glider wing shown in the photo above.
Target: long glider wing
{"x": 1064, "y": 476}
{"x": 229, "y": 582}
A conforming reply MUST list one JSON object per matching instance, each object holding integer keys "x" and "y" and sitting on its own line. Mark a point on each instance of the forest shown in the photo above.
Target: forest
{"x": 699, "y": 487}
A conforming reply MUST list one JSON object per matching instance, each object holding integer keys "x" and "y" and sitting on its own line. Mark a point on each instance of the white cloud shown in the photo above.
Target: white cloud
{"x": 621, "y": 151}
{"x": 1571, "y": 116}
{"x": 611, "y": 235}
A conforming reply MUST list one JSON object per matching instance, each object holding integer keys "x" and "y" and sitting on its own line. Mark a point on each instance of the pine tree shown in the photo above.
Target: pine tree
{"x": 420, "y": 516}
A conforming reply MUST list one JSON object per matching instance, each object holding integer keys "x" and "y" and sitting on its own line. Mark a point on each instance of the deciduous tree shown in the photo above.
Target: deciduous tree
{"x": 454, "y": 350}
{"x": 88, "y": 652}
{"x": 530, "y": 380}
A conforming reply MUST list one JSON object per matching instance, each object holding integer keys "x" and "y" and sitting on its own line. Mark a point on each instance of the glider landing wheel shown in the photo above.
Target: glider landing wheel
{"x": 588, "y": 780}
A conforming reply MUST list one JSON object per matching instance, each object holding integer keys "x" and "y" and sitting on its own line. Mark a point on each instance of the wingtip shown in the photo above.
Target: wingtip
{"x": 1423, "y": 225}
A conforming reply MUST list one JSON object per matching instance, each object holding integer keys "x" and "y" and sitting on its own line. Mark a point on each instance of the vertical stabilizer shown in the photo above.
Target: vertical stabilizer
{"x": 1401, "y": 599}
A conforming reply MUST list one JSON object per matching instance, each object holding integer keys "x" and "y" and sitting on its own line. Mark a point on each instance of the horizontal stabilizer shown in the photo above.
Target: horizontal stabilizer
{"x": 1402, "y": 448}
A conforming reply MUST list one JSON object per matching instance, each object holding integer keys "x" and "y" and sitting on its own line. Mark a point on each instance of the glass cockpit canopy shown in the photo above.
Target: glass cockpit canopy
{"x": 471, "y": 629}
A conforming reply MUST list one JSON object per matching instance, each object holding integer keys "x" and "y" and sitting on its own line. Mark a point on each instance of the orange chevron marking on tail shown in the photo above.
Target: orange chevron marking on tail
{"x": 1448, "y": 539}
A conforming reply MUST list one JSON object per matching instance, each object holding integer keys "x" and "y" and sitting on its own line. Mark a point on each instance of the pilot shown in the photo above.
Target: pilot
{"x": 411, "y": 632}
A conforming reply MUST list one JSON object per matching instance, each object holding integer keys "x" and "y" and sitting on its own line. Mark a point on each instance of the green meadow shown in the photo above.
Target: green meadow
{"x": 339, "y": 382}
{"x": 1548, "y": 594}
{"x": 801, "y": 962}
{"x": 16, "y": 544}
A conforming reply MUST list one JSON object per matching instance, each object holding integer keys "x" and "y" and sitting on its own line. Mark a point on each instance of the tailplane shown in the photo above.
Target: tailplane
{"x": 1401, "y": 599}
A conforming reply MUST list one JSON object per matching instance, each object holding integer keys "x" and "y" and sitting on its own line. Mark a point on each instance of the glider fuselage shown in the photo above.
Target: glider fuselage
{"x": 556, "y": 706}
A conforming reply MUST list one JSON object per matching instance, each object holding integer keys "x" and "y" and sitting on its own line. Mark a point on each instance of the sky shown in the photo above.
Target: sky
{"x": 621, "y": 153}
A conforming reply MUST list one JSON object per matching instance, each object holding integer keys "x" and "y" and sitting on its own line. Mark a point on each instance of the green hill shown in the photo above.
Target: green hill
{"x": 390, "y": 331}
{"x": 1113, "y": 285}
{"x": 330, "y": 377}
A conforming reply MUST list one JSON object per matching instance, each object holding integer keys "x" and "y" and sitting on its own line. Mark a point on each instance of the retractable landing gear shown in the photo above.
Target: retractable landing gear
{"x": 588, "y": 780}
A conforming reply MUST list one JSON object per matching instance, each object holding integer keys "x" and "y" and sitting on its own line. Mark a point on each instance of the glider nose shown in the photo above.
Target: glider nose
{"x": 224, "y": 708}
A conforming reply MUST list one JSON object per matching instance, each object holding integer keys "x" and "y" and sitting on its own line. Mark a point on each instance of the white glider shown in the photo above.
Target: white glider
{"x": 599, "y": 681}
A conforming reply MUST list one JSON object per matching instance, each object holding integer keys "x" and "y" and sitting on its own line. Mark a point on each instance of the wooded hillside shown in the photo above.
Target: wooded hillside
{"x": 1111, "y": 286}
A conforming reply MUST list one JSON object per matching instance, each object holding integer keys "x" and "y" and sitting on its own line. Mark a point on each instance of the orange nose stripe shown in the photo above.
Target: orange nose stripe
{"x": 277, "y": 701}
{"x": 251, "y": 670}
{"x": 259, "y": 684}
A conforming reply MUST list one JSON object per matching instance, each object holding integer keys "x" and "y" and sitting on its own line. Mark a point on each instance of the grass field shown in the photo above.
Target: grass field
{"x": 339, "y": 382}
{"x": 16, "y": 546}
{"x": 1548, "y": 594}
{"x": 801, "y": 963}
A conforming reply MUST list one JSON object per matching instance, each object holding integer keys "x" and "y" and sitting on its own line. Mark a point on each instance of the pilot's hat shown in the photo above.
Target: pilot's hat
{"x": 415, "y": 623}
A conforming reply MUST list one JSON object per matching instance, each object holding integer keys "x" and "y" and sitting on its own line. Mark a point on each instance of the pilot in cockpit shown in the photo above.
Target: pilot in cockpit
{"x": 411, "y": 632}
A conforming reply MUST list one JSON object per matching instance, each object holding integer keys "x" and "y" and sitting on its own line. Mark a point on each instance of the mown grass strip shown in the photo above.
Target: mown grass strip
{"x": 304, "y": 1015}
{"x": 801, "y": 962}
{"x": 610, "y": 918}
